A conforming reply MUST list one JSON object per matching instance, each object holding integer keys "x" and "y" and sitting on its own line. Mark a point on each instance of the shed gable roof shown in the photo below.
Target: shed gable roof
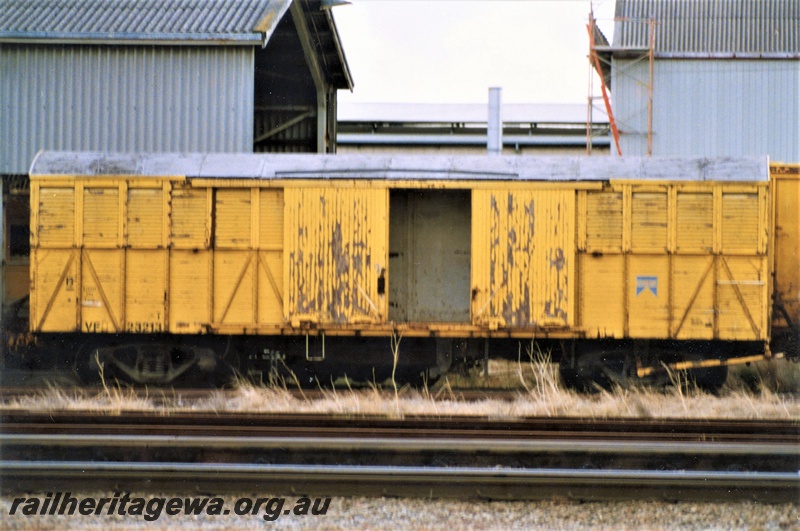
{"x": 687, "y": 28}
{"x": 230, "y": 21}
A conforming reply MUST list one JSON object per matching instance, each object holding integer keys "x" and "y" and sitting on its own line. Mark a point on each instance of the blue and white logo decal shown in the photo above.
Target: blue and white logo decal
{"x": 647, "y": 283}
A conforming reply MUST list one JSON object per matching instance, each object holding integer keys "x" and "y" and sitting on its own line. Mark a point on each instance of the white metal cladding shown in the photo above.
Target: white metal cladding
{"x": 710, "y": 26}
{"x": 710, "y": 108}
{"x": 125, "y": 99}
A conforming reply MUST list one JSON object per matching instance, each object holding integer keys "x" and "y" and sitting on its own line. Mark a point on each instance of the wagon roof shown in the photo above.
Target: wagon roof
{"x": 434, "y": 167}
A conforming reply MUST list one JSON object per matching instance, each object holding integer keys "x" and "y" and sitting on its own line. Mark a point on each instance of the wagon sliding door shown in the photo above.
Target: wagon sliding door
{"x": 523, "y": 258}
{"x": 429, "y": 254}
{"x": 335, "y": 255}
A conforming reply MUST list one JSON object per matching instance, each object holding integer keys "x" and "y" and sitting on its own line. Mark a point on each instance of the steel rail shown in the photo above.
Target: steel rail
{"x": 22, "y": 421}
{"x": 469, "y": 457}
{"x": 406, "y": 444}
{"x": 470, "y": 482}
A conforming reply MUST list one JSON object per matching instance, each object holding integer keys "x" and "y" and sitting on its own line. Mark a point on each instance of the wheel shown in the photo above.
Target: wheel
{"x": 569, "y": 375}
{"x": 709, "y": 379}
{"x": 595, "y": 367}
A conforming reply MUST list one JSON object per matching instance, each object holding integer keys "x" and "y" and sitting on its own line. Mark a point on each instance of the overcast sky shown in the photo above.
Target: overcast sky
{"x": 452, "y": 51}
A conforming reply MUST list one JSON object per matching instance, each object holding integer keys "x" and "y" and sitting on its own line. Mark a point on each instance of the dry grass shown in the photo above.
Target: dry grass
{"x": 750, "y": 393}
{"x": 112, "y": 401}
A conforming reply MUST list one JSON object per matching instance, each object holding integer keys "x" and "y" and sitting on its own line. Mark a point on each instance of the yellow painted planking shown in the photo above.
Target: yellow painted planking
{"x": 649, "y": 221}
{"x": 695, "y": 222}
{"x": 234, "y": 274}
{"x": 269, "y": 264}
{"x": 145, "y": 290}
{"x": 54, "y": 290}
{"x": 270, "y": 287}
{"x": 189, "y": 291}
{"x": 191, "y": 225}
{"x": 101, "y": 290}
{"x": 271, "y": 219}
{"x": 743, "y": 297}
{"x": 603, "y": 221}
{"x": 648, "y": 293}
{"x": 145, "y": 213}
{"x": 666, "y": 235}
{"x": 786, "y": 252}
{"x": 101, "y": 217}
{"x": 55, "y": 219}
{"x": 523, "y": 257}
{"x": 740, "y": 222}
{"x": 232, "y": 218}
{"x": 335, "y": 251}
{"x": 316, "y": 254}
{"x": 693, "y": 297}
{"x": 602, "y": 295}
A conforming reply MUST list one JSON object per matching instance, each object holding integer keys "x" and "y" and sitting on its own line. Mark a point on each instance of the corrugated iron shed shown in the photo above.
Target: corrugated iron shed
{"x": 703, "y": 28}
{"x": 184, "y": 22}
{"x": 185, "y": 75}
{"x": 724, "y": 78}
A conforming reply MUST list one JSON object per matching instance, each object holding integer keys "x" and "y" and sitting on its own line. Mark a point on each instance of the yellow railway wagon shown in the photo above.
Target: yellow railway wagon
{"x": 785, "y": 182}
{"x": 462, "y": 251}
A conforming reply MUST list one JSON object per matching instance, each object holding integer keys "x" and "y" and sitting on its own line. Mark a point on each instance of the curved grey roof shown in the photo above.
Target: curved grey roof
{"x": 470, "y": 167}
{"x": 219, "y": 20}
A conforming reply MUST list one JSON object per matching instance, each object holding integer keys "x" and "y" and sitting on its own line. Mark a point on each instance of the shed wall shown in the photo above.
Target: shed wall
{"x": 128, "y": 98}
{"x": 710, "y": 108}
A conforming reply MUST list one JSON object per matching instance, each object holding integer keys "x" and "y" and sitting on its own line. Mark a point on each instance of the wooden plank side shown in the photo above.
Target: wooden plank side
{"x": 145, "y": 218}
{"x": 523, "y": 257}
{"x": 54, "y": 292}
{"x": 740, "y": 222}
{"x": 56, "y": 217}
{"x": 190, "y": 291}
{"x": 743, "y": 297}
{"x": 146, "y": 290}
{"x": 649, "y": 221}
{"x": 269, "y": 266}
{"x": 601, "y": 295}
{"x": 101, "y": 217}
{"x": 693, "y": 297}
{"x": 191, "y": 224}
{"x": 233, "y": 287}
{"x": 786, "y": 183}
{"x": 336, "y": 251}
{"x": 604, "y": 221}
{"x": 232, "y": 222}
{"x": 647, "y": 291}
{"x": 695, "y": 222}
{"x": 101, "y": 290}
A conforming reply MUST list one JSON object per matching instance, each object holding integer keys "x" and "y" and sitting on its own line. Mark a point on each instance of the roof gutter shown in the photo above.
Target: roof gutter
{"x": 167, "y": 39}
{"x": 623, "y": 52}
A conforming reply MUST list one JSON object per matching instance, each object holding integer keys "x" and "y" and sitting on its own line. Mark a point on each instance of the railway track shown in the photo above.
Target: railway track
{"x": 430, "y": 457}
{"x": 169, "y": 396}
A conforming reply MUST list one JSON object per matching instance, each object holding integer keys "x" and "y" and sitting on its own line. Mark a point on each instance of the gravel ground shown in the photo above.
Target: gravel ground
{"x": 394, "y": 514}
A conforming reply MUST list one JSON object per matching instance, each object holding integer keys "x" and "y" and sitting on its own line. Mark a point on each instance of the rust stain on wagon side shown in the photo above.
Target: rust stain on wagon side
{"x": 523, "y": 280}
{"x": 331, "y": 278}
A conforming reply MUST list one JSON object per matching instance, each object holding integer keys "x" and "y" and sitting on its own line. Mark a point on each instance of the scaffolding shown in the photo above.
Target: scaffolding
{"x": 600, "y": 53}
